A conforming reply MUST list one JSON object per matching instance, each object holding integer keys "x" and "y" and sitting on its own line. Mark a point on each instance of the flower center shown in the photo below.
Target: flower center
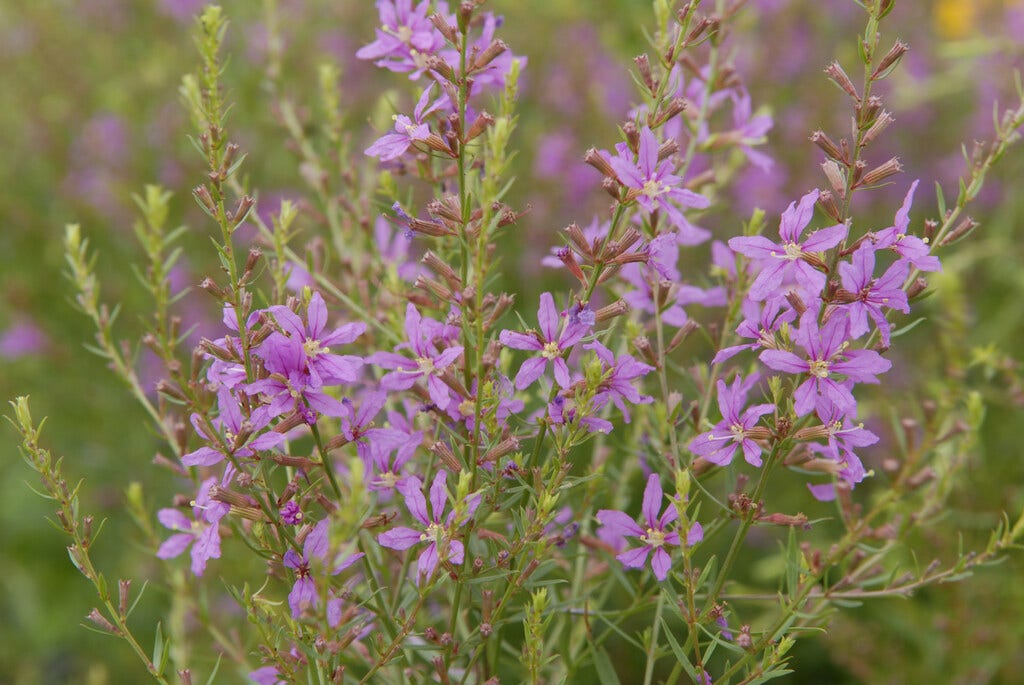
{"x": 432, "y": 533}
{"x": 551, "y": 350}
{"x": 313, "y": 349}
{"x": 404, "y": 34}
{"x": 654, "y": 538}
{"x": 426, "y": 365}
{"x": 738, "y": 432}
{"x": 819, "y": 368}
{"x": 654, "y": 188}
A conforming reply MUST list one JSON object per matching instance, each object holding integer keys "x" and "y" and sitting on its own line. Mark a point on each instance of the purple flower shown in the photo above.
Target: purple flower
{"x": 311, "y": 340}
{"x": 617, "y": 376}
{"x": 267, "y": 675}
{"x": 827, "y": 355}
{"x": 652, "y": 534}
{"x": 908, "y": 247}
{"x": 440, "y": 536}
{"x": 734, "y": 430}
{"x": 359, "y": 428}
{"x": 316, "y": 546}
{"x": 428, "y": 362}
{"x": 552, "y": 341}
{"x": 393, "y": 145}
{"x": 202, "y": 532}
{"x": 750, "y": 130}
{"x": 237, "y": 431}
{"x": 760, "y": 325}
{"x": 405, "y": 37}
{"x": 791, "y": 258}
{"x": 656, "y": 187}
{"x": 867, "y": 295}
{"x": 22, "y": 338}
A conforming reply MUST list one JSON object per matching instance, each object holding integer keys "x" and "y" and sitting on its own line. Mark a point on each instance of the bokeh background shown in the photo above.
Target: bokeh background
{"x": 91, "y": 114}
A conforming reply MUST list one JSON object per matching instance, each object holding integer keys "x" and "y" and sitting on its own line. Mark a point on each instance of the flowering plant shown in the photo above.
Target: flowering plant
{"x": 343, "y": 379}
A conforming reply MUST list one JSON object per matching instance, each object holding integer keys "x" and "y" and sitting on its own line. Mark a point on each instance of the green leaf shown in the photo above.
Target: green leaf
{"x": 160, "y": 651}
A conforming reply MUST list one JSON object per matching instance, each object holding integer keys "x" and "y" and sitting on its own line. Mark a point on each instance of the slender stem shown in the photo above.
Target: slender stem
{"x": 652, "y": 648}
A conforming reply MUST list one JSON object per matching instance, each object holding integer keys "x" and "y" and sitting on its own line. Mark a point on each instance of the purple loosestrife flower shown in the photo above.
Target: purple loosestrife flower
{"x": 358, "y": 428}
{"x": 394, "y": 145}
{"x": 441, "y": 547}
{"x": 791, "y": 258}
{"x": 750, "y": 130}
{"x": 827, "y": 355}
{"x": 760, "y": 324}
{"x": 202, "y": 532}
{"x": 656, "y": 187}
{"x": 237, "y": 440}
{"x": 405, "y": 37}
{"x": 428, "y": 361}
{"x": 865, "y": 295}
{"x": 311, "y": 339}
{"x": 267, "y": 675}
{"x": 652, "y": 533}
{"x": 554, "y": 338}
{"x": 735, "y": 429}
{"x": 316, "y": 546}
{"x": 616, "y": 380}
{"x": 908, "y": 247}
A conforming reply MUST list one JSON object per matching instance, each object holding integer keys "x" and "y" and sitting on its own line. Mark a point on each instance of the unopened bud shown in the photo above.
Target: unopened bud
{"x": 490, "y": 53}
{"x": 211, "y": 287}
{"x": 826, "y": 144}
{"x": 447, "y": 30}
{"x": 889, "y": 61}
{"x": 835, "y": 177}
{"x": 881, "y": 123}
{"x": 479, "y": 125}
{"x": 97, "y": 619}
{"x": 447, "y": 456}
{"x": 682, "y": 334}
{"x": 839, "y": 77}
{"x": 962, "y": 230}
{"x": 917, "y": 287}
{"x": 882, "y": 172}
{"x": 643, "y": 345}
{"x": 827, "y": 202}
{"x": 599, "y": 162}
{"x": 242, "y": 209}
{"x": 643, "y": 65}
{"x": 869, "y": 111}
{"x": 610, "y": 311}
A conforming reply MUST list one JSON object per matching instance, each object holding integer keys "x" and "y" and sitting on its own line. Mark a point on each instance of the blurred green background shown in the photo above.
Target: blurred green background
{"x": 91, "y": 114}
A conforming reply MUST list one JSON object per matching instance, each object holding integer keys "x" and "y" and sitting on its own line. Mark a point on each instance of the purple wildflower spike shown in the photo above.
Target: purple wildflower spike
{"x": 554, "y": 338}
{"x": 651, "y": 532}
{"x": 790, "y": 258}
